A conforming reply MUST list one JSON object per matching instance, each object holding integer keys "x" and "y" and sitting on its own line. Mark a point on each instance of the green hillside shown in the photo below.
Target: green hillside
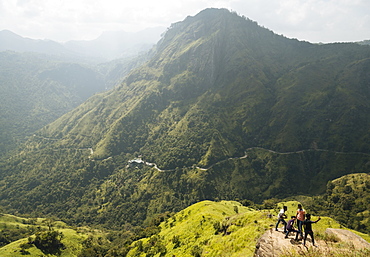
{"x": 200, "y": 229}
{"x": 220, "y": 84}
{"x": 16, "y": 234}
{"x": 224, "y": 109}
{"x": 223, "y": 228}
{"x": 207, "y": 228}
{"x": 346, "y": 200}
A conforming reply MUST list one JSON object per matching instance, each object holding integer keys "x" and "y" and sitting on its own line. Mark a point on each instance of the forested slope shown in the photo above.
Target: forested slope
{"x": 37, "y": 89}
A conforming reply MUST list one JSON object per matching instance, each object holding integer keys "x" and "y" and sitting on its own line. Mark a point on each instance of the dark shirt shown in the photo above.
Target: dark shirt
{"x": 307, "y": 224}
{"x": 289, "y": 226}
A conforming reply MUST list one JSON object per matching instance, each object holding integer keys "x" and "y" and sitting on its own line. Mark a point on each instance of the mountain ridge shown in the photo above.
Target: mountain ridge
{"x": 108, "y": 46}
{"x": 13, "y": 42}
{"x": 199, "y": 86}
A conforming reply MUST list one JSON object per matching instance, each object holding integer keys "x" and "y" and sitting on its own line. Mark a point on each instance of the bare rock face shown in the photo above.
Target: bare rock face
{"x": 348, "y": 236}
{"x": 272, "y": 243}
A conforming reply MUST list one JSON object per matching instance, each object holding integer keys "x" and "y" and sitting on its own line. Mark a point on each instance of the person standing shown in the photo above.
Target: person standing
{"x": 300, "y": 219}
{"x": 308, "y": 229}
{"x": 281, "y": 218}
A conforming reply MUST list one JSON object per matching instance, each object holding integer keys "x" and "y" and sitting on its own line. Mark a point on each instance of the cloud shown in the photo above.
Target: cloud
{"x": 312, "y": 20}
{"x": 61, "y": 20}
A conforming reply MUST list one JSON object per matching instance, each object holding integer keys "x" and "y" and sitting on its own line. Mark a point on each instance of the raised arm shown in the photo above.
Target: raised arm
{"x": 316, "y": 220}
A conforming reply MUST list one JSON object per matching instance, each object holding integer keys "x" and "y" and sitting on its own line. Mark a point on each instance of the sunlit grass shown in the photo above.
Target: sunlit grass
{"x": 194, "y": 232}
{"x": 72, "y": 239}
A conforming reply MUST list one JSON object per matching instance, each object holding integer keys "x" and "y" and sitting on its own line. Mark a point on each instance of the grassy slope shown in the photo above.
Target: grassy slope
{"x": 194, "y": 232}
{"x": 72, "y": 239}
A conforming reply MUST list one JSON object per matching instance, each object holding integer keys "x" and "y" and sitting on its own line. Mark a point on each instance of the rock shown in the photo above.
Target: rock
{"x": 272, "y": 243}
{"x": 348, "y": 236}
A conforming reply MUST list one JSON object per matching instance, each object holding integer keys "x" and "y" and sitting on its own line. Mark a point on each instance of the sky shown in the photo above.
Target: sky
{"x": 63, "y": 20}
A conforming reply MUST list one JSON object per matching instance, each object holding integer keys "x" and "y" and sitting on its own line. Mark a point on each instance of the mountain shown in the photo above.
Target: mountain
{"x": 364, "y": 42}
{"x": 225, "y": 87}
{"x": 10, "y": 41}
{"x": 36, "y": 90}
{"x": 107, "y": 47}
{"x": 224, "y": 109}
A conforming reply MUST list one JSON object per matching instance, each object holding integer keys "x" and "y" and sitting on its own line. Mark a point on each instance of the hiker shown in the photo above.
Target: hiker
{"x": 281, "y": 218}
{"x": 300, "y": 219}
{"x": 290, "y": 227}
{"x": 308, "y": 229}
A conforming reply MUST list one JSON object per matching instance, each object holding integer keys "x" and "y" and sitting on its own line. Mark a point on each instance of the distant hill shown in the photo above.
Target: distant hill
{"x": 41, "y": 79}
{"x": 37, "y": 89}
{"x": 223, "y": 109}
{"x": 346, "y": 199}
{"x": 365, "y": 42}
{"x": 109, "y": 46}
{"x": 13, "y": 42}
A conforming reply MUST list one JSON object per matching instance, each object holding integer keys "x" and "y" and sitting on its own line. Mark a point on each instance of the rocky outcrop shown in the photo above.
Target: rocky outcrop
{"x": 349, "y": 237}
{"x": 273, "y": 244}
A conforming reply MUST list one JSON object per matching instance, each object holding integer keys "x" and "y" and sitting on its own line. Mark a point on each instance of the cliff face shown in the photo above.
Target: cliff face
{"x": 335, "y": 242}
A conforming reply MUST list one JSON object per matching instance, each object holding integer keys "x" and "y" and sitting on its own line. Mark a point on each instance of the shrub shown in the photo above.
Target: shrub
{"x": 49, "y": 241}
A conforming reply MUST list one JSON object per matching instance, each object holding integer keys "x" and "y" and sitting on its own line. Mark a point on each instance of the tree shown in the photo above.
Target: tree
{"x": 49, "y": 241}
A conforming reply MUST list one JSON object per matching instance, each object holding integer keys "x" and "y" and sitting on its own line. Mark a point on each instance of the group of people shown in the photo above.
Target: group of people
{"x": 303, "y": 221}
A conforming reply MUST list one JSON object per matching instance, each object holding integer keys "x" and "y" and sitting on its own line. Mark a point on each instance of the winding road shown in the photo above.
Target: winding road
{"x": 155, "y": 166}
{"x": 260, "y": 148}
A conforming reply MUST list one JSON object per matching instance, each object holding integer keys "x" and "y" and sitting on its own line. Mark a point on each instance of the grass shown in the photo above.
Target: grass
{"x": 197, "y": 231}
{"x": 72, "y": 242}
{"x": 207, "y": 228}
{"x": 72, "y": 239}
